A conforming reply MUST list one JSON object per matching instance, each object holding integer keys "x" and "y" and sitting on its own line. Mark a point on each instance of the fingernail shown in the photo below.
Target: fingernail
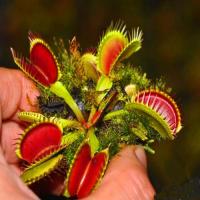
{"x": 141, "y": 156}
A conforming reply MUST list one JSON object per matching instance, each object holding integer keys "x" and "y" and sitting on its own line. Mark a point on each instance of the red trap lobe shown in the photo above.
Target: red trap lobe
{"x": 163, "y": 105}
{"x": 43, "y": 59}
{"x": 114, "y": 48}
{"x": 85, "y": 172}
{"x": 42, "y": 65}
{"x": 39, "y": 141}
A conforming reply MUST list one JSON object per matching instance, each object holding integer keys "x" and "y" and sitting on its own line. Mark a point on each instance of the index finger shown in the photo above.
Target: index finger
{"x": 16, "y": 93}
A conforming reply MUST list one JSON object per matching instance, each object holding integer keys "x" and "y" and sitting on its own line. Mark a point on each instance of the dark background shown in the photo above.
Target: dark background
{"x": 171, "y": 48}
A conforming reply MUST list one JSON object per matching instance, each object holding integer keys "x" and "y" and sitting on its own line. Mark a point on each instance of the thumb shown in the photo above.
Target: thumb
{"x": 126, "y": 177}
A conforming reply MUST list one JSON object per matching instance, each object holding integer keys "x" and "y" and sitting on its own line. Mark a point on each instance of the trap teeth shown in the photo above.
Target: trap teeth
{"x": 115, "y": 46}
{"x": 161, "y": 107}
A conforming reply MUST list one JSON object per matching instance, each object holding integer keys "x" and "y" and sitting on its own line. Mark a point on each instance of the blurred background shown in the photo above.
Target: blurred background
{"x": 171, "y": 49}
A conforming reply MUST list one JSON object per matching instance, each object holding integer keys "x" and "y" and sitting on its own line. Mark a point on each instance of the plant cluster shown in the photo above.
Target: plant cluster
{"x": 91, "y": 105}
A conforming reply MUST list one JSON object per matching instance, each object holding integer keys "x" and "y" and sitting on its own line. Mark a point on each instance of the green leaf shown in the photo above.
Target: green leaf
{"x": 71, "y": 137}
{"x": 104, "y": 84}
{"x": 156, "y": 121}
{"x": 67, "y": 123}
{"x": 31, "y": 117}
{"x": 37, "y": 172}
{"x": 93, "y": 141}
{"x": 89, "y": 62}
{"x": 114, "y": 114}
{"x": 59, "y": 89}
{"x": 140, "y": 133}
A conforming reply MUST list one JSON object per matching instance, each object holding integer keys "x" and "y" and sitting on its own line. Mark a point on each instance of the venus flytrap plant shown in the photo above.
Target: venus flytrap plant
{"x": 41, "y": 146}
{"x": 50, "y": 137}
{"x": 122, "y": 108}
{"x": 40, "y": 170}
{"x": 87, "y": 168}
{"x": 44, "y": 69}
{"x": 114, "y": 47}
{"x": 161, "y": 108}
{"x": 38, "y": 117}
{"x": 89, "y": 62}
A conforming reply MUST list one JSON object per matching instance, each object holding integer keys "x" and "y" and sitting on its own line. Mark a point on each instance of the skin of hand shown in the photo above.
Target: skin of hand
{"x": 126, "y": 177}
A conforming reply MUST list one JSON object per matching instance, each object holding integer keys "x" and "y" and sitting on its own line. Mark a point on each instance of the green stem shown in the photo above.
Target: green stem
{"x": 59, "y": 89}
{"x": 104, "y": 84}
{"x": 95, "y": 114}
{"x": 93, "y": 141}
{"x": 114, "y": 114}
{"x": 140, "y": 133}
{"x": 70, "y": 123}
{"x": 71, "y": 137}
{"x": 149, "y": 149}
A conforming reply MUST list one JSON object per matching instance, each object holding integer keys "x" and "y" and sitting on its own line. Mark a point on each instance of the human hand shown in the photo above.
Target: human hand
{"x": 125, "y": 179}
{"x": 15, "y": 92}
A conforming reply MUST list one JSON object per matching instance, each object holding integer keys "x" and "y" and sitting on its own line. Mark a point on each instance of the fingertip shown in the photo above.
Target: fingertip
{"x": 141, "y": 156}
{"x": 134, "y": 153}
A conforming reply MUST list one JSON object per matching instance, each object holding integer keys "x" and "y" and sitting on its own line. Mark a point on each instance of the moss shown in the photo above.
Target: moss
{"x": 127, "y": 74}
{"x": 71, "y": 150}
{"x": 160, "y": 84}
